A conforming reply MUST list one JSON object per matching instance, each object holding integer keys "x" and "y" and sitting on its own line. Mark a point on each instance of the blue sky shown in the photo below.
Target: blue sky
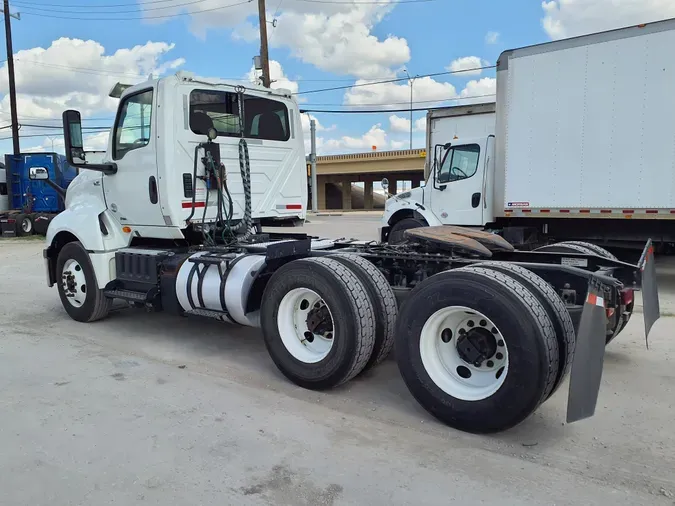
{"x": 315, "y": 44}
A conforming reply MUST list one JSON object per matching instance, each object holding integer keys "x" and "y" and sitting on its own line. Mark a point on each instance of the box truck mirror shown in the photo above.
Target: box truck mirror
{"x": 38, "y": 173}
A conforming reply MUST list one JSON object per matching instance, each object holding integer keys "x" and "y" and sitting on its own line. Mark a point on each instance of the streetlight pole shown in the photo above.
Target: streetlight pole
{"x": 10, "y": 71}
{"x": 411, "y": 80}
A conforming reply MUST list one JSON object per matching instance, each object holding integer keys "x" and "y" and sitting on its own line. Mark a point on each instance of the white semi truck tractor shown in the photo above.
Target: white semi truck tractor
{"x": 577, "y": 147}
{"x": 171, "y": 219}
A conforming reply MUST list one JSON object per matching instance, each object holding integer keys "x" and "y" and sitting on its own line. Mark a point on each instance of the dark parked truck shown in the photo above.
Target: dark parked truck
{"x": 27, "y": 206}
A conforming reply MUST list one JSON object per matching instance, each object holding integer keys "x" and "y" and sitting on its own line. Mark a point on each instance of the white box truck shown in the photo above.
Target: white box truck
{"x": 579, "y": 146}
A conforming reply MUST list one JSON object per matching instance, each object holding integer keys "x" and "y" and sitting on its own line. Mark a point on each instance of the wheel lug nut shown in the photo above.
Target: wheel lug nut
{"x": 490, "y": 363}
{"x": 500, "y": 342}
{"x": 470, "y": 323}
{"x": 483, "y": 323}
{"x": 499, "y": 356}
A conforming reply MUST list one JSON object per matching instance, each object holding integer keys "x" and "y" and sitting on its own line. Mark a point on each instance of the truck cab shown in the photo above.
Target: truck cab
{"x": 153, "y": 184}
{"x": 457, "y": 191}
{"x": 459, "y": 169}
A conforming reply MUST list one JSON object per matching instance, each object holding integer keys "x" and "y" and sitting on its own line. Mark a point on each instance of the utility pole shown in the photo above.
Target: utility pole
{"x": 264, "y": 54}
{"x": 10, "y": 68}
{"x": 312, "y": 159}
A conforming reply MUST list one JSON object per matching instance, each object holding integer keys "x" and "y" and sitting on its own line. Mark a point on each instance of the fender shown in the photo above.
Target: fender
{"x": 86, "y": 219}
{"x": 397, "y": 209}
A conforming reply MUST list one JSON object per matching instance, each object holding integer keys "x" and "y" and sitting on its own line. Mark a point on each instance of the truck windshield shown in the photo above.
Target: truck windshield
{"x": 263, "y": 118}
{"x": 460, "y": 162}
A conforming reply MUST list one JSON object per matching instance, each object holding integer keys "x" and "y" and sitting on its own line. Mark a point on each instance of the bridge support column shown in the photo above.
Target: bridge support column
{"x": 346, "y": 193}
{"x": 368, "y": 194}
{"x": 321, "y": 192}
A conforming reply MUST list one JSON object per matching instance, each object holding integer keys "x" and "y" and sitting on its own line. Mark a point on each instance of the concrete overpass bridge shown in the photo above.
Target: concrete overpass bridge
{"x": 346, "y": 181}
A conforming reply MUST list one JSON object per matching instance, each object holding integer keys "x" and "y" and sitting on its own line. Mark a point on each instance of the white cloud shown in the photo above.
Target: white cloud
{"x": 398, "y": 144}
{"x": 479, "y": 91}
{"x": 399, "y": 124}
{"x": 335, "y": 37}
{"x": 376, "y": 136}
{"x": 568, "y": 18}
{"x": 491, "y": 37}
{"x": 77, "y": 74}
{"x": 421, "y": 124}
{"x": 92, "y": 142}
{"x": 279, "y": 79}
{"x": 426, "y": 92}
{"x": 467, "y": 65}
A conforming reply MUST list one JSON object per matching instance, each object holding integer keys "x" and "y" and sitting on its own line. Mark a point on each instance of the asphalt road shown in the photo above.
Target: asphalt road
{"x": 146, "y": 408}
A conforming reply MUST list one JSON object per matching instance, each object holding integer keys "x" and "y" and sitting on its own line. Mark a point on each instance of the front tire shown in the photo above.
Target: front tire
{"x": 452, "y": 313}
{"x": 396, "y": 234}
{"x": 77, "y": 286}
{"x": 318, "y": 322}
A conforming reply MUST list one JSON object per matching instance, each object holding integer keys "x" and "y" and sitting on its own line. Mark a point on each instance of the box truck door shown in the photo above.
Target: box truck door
{"x": 457, "y": 191}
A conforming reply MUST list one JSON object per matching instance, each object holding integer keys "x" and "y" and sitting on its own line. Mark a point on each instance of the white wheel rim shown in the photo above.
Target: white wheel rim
{"x": 26, "y": 225}
{"x": 74, "y": 283}
{"x": 446, "y": 366}
{"x": 294, "y": 310}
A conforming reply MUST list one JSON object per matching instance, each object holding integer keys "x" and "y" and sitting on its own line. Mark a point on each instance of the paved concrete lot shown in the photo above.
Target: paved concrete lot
{"x": 154, "y": 409}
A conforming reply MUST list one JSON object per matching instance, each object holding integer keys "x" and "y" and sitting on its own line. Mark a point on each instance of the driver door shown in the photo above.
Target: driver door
{"x": 133, "y": 192}
{"x": 457, "y": 195}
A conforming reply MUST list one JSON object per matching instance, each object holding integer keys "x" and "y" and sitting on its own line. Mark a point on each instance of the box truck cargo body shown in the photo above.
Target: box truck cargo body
{"x": 582, "y": 146}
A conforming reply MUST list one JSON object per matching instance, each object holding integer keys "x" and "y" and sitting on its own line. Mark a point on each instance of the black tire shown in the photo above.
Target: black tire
{"x": 567, "y": 247}
{"x": 351, "y": 311}
{"x": 527, "y": 331}
{"x": 383, "y": 300}
{"x": 555, "y": 307}
{"x": 24, "y": 225}
{"x": 596, "y": 249}
{"x": 41, "y": 223}
{"x": 96, "y": 305}
{"x": 396, "y": 231}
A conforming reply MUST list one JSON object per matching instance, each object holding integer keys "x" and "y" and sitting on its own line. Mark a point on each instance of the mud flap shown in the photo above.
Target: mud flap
{"x": 588, "y": 357}
{"x": 651, "y": 309}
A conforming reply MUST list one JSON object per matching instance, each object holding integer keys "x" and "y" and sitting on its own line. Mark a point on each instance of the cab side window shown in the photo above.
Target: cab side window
{"x": 460, "y": 162}
{"x": 3, "y": 188}
{"x": 132, "y": 129}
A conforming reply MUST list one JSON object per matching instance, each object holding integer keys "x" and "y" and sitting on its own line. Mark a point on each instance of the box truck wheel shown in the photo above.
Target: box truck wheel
{"x": 554, "y": 306}
{"x": 78, "y": 289}
{"x": 384, "y": 303}
{"x": 396, "y": 232}
{"x": 477, "y": 349}
{"x": 318, "y": 322}
{"x": 24, "y": 225}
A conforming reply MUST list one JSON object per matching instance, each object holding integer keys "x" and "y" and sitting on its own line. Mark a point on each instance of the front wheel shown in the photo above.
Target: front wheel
{"x": 78, "y": 289}
{"x": 396, "y": 234}
{"x": 24, "y": 225}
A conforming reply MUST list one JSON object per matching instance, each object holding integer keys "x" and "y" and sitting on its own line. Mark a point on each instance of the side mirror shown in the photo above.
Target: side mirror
{"x": 72, "y": 133}
{"x": 385, "y": 184}
{"x": 38, "y": 174}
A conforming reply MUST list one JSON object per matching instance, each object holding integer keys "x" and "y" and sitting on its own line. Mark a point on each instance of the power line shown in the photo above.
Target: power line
{"x": 56, "y": 127}
{"x": 192, "y": 2}
{"x": 366, "y": 2}
{"x": 403, "y": 103}
{"x": 379, "y": 111}
{"x": 26, "y": 2}
{"x": 397, "y": 79}
{"x": 163, "y": 16}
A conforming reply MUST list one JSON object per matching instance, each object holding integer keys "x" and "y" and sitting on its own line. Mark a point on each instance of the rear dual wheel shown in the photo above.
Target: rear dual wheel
{"x": 586, "y": 248}
{"x": 477, "y": 348}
